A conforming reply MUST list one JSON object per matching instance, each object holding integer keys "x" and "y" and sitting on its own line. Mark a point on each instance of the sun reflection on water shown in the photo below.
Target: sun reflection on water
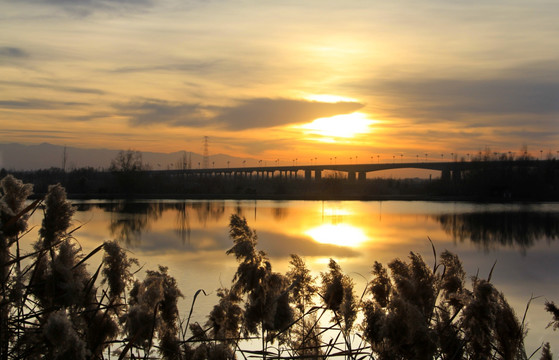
{"x": 338, "y": 234}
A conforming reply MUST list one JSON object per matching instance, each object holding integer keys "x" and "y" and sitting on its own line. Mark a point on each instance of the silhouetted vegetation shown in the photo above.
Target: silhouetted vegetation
{"x": 52, "y": 307}
{"x": 489, "y": 229}
{"x": 521, "y": 179}
{"x": 501, "y": 179}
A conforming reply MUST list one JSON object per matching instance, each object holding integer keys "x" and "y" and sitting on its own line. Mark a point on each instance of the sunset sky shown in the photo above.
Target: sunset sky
{"x": 282, "y": 79}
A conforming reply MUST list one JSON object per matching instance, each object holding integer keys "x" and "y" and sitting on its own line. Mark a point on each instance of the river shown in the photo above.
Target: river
{"x": 191, "y": 238}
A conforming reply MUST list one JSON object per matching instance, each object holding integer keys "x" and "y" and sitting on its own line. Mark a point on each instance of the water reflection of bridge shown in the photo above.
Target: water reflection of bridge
{"x": 449, "y": 170}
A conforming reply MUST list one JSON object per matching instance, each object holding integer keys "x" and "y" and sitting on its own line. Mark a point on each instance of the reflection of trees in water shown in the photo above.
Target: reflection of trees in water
{"x": 488, "y": 229}
{"x": 280, "y": 213}
{"x": 82, "y": 207}
{"x": 130, "y": 219}
{"x": 209, "y": 210}
{"x": 239, "y": 209}
{"x": 183, "y": 229}
{"x": 128, "y": 228}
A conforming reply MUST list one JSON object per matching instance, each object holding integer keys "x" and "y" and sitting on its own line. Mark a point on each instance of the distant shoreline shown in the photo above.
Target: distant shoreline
{"x": 512, "y": 182}
{"x": 300, "y": 197}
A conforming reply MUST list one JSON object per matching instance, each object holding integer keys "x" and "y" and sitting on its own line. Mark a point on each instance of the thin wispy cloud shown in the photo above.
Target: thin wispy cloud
{"x": 82, "y": 8}
{"x": 52, "y": 87}
{"x": 33, "y": 104}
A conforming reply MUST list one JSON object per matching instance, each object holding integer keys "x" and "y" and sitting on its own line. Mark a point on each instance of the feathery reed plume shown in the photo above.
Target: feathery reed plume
{"x": 13, "y": 222}
{"x": 254, "y": 265}
{"x": 546, "y": 352}
{"x": 338, "y": 295}
{"x": 406, "y": 318}
{"x": 304, "y": 339}
{"x": 58, "y": 215}
{"x": 415, "y": 283}
{"x": 452, "y": 280}
{"x": 267, "y": 293}
{"x": 207, "y": 348}
{"x": 61, "y": 338}
{"x": 153, "y": 309}
{"x": 14, "y": 195}
{"x": 552, "y": 308}
{"x": 380, "y": 286}
{"x": 303, "y": 288}
{"x": 226, "y": 317}
{"x": 478, "y": 319}
{"x": 116, "y": 270}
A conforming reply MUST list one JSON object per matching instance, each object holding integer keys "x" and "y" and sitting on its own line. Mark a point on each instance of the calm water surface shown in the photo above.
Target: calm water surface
{"x": 191, "y": 238}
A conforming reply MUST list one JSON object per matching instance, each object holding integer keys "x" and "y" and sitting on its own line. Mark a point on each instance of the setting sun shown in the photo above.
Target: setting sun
{"x": 340, "y": 126}
{"x": 330, "y": 98}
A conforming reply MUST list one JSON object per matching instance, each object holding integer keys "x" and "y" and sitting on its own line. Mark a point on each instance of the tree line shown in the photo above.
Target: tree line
{"x": 503, "y": 183}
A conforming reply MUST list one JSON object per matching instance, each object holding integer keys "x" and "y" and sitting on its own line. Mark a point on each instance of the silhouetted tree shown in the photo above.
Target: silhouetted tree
{"x": 127, "y": 166}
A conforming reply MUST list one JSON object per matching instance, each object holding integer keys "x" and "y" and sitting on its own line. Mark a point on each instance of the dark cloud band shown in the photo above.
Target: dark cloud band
{"x": 12, "y": 52}
{"x": 248, "y": 114}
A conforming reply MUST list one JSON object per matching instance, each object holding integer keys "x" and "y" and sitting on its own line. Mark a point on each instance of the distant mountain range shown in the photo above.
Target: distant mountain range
{"x": 43, "y": 156}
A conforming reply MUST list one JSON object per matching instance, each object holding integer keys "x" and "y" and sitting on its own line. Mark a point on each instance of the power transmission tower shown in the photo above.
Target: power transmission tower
{"x": 206, "y": 162}
{"x": 64, "y": 159}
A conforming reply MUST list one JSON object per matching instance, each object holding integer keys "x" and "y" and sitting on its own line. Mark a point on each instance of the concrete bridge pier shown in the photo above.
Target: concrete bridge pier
{"x": 351, "y": 175}
{"x": 445, "y": 175}
{"x": 362, "y": 176}
{"x": 317, "y": 174}
{"x": 308, "y": 175}
{"x": 456, "y": 175}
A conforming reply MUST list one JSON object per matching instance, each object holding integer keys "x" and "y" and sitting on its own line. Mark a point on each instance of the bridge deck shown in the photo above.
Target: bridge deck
{"x": 358, "y": 168}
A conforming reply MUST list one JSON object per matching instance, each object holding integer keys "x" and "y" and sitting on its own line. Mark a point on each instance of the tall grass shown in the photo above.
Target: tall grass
{"x": 52, "y": 307}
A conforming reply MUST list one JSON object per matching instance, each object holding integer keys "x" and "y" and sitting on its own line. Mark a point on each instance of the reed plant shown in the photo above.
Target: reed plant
{"x": 52, "y": 307}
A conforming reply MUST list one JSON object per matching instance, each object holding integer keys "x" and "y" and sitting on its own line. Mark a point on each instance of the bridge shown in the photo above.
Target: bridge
{"x": 449, "y": 170}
